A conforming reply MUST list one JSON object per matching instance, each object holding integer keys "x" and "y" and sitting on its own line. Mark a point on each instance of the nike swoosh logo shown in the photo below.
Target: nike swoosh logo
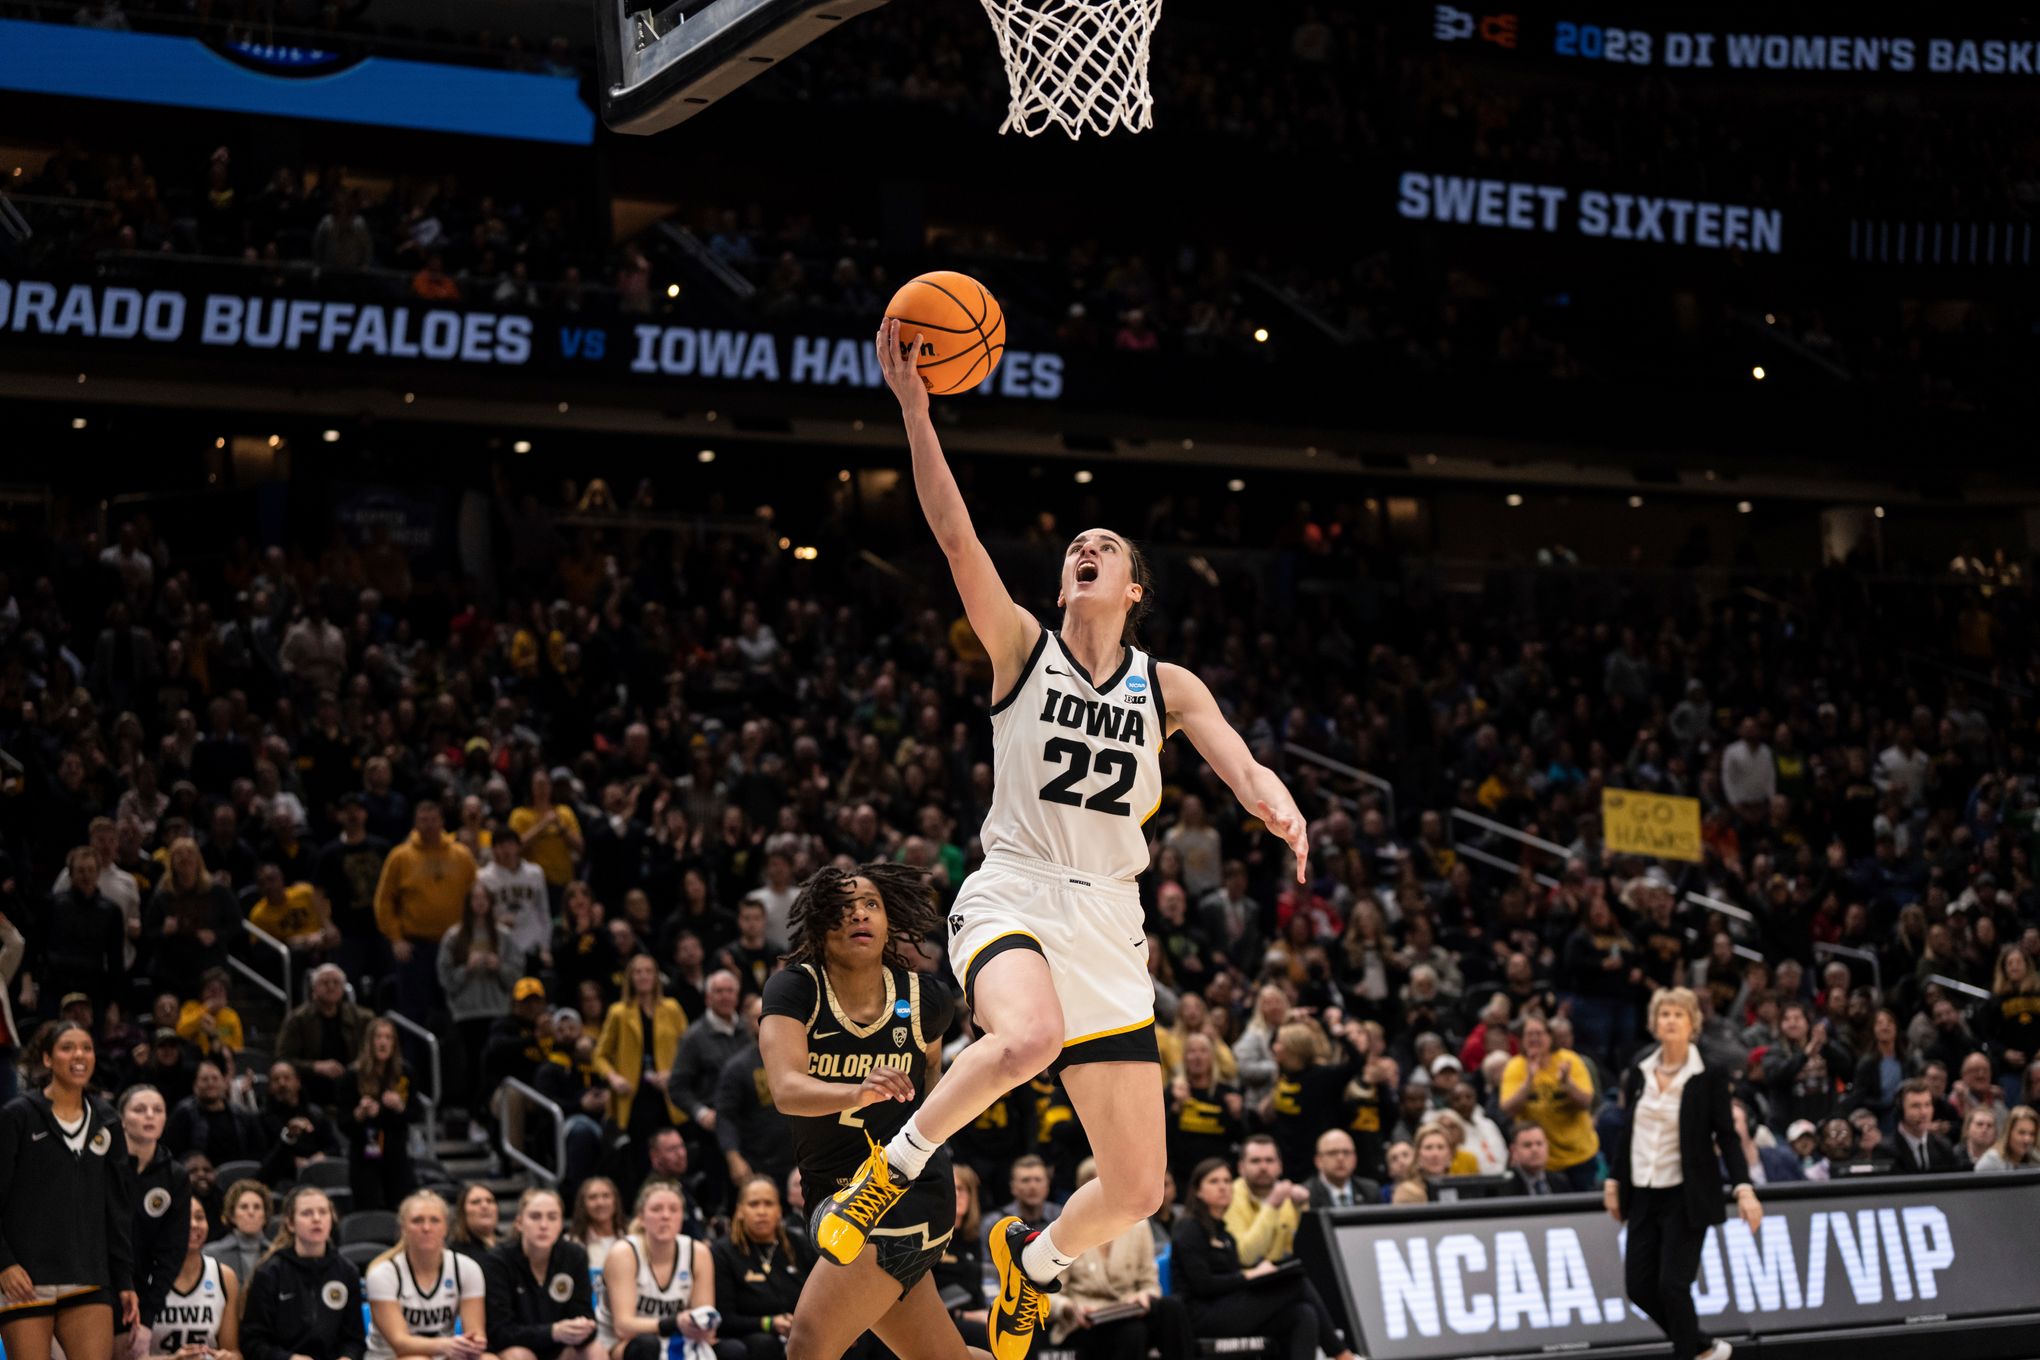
{"x": 38, "y": 1137}
{"x": 281, "y": 1297}
{"x": 827, "y": 1034}
{"x": 1053, "y": 671}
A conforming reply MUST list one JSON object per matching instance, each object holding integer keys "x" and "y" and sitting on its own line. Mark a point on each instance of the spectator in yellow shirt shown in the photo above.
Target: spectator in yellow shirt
{"x": 551, "y": 833}
{"x": 1265, "y": 1209}
{"x": 290, "y": 912}
{"x": 422, "y": 894}
{"x": 209, "y": 1021}
{"x": 1551, "y": 1087}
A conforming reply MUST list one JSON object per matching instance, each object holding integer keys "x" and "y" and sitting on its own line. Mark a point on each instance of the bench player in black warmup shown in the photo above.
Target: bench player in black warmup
{"x": 851, "y": 1036}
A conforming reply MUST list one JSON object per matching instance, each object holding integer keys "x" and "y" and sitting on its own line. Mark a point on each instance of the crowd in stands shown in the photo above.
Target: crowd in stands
{"x": 562, "y": 829}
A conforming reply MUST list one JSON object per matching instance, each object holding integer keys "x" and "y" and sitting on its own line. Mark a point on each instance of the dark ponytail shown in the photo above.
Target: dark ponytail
{"x": 1137, "y": 566}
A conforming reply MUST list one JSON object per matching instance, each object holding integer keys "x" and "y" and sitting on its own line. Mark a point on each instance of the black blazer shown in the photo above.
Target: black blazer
{"x": 1519, "y": 1184}
{"x": 1706, "y": 1122}
{"x": 1940, "y": 1156}
{"x": 1364, "y": 1191}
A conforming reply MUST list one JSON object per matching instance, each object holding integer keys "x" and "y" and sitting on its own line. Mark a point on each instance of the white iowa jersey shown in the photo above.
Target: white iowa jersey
{"x": 191, "y": 1319}
{"x": 429, "y": 1307}
{"x": 656, "y": 1301}
{"x": 1076, "y": 766}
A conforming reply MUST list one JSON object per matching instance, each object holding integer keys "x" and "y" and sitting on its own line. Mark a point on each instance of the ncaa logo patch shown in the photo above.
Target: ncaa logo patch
{"x": 205, "y": 1287}
{"x": 334, "y": 1295}
{"x": 101, "y": 1141}
{"x": 901, "y": 1009}
{"x": 1136, "y": 684}
{"x": 156, "y": 1203}
{"x": 561, "y": 1288}
{"x": 446, "y": 1288}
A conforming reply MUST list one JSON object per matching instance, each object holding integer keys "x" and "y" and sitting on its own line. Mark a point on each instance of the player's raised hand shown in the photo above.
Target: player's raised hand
{"x": 1286, "y": 823}
{"x": 901, "y": 374}
{"x": 885, "y": 1083}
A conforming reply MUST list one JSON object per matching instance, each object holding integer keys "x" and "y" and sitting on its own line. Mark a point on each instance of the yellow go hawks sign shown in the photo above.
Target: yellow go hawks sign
{"x": 1657, "y": 824}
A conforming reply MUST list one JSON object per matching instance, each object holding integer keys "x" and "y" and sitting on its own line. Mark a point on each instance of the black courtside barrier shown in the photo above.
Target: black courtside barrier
{"x": 1937, "y": 1266}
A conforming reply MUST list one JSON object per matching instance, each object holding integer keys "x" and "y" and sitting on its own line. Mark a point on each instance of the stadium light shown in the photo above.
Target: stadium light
{"x": 1083, "y": 477}
{"x": 1260, "y": 335}
{"x": 77, "y": 422}
{"x": 842, "y": 474}
{"x": 1636, "y": 502}
{"x": 672, "y": 290}
{"x": 1236, "y": 485}
{"x": 1189, "y": 444}
{"x": 785, "y": 543}
{"x": 330, "y": 436}
{"x": 275, "y": 440}
{"x": 410, "y": 397}
{"x": 1878, "y": 511}
{"x": 1743, "y": 507}
{"x": 1513, "y": 499}
{"x": 563, "y": 409}
{"x": 521, "y": 446}
{"x": 705, "y": 456}
{"x": 1757, "y": 372}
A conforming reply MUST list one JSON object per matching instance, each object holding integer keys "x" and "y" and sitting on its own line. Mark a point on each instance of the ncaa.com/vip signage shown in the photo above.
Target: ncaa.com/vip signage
{"x": 1514, "y": 1278}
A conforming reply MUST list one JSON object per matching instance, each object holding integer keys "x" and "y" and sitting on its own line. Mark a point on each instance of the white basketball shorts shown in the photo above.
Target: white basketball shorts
{"x": 1088, "y": 928}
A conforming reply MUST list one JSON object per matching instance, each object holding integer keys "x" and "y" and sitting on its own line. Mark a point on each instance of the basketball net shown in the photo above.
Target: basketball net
{"x": 1076, "y": 64}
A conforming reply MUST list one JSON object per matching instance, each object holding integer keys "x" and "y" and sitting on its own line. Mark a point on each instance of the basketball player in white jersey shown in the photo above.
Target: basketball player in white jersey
{"x": 425, "y": 1300}
{"x": 637, "y": 1312}
{"x": 1047, "y": 937}
{"x": 199, "y": 1318}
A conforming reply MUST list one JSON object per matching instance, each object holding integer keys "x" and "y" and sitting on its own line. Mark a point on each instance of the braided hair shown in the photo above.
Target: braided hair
{"x": 911, "y": 914}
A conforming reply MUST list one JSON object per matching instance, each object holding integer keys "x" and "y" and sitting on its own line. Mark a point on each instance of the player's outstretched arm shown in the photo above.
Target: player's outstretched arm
{"x": 783, "y": 1047}
{"x": 1006, "y": 630}
{"x": 1196, "y": 714}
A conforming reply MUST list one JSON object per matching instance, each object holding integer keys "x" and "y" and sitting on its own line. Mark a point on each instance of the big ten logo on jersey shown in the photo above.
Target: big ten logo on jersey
{"x": 855, "y": 1066}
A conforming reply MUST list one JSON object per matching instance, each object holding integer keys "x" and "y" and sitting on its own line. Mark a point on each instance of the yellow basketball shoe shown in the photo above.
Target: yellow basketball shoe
{"x": 843, "y": 1223}
{"x": 1022, "y": 1305}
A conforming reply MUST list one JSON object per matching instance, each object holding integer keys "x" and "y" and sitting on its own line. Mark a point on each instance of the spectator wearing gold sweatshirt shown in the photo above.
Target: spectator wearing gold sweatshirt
{"x": 424, "y": 888}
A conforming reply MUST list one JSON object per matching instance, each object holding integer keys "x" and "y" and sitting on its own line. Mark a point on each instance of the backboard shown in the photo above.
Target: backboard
{"x": 662, "y": 64}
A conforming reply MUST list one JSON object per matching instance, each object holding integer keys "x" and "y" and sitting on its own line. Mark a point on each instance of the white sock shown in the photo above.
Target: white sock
{"x": 1042, "y": 1262}
{"x": 909, "y": 1150}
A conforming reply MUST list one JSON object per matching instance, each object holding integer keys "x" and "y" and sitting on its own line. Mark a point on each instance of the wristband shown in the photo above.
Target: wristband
{"x": 669, "y": 1326}
{"x": 765, "y": 1323}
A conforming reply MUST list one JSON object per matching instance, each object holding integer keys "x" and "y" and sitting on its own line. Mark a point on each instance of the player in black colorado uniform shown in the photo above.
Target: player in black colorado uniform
{"x": 851, "y": 1037}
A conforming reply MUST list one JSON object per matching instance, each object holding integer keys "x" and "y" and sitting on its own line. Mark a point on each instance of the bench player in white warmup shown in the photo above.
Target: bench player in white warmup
{"x": 1047, "y": 938}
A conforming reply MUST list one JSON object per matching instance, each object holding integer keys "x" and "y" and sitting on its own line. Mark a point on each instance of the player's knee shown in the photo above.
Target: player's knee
{"x": 1133, "y": 1198}
{"x": 1026, "y": 1048}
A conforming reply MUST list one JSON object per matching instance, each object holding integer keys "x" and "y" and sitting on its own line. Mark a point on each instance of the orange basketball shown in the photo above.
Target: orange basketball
{"x": 962, "y": 330}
